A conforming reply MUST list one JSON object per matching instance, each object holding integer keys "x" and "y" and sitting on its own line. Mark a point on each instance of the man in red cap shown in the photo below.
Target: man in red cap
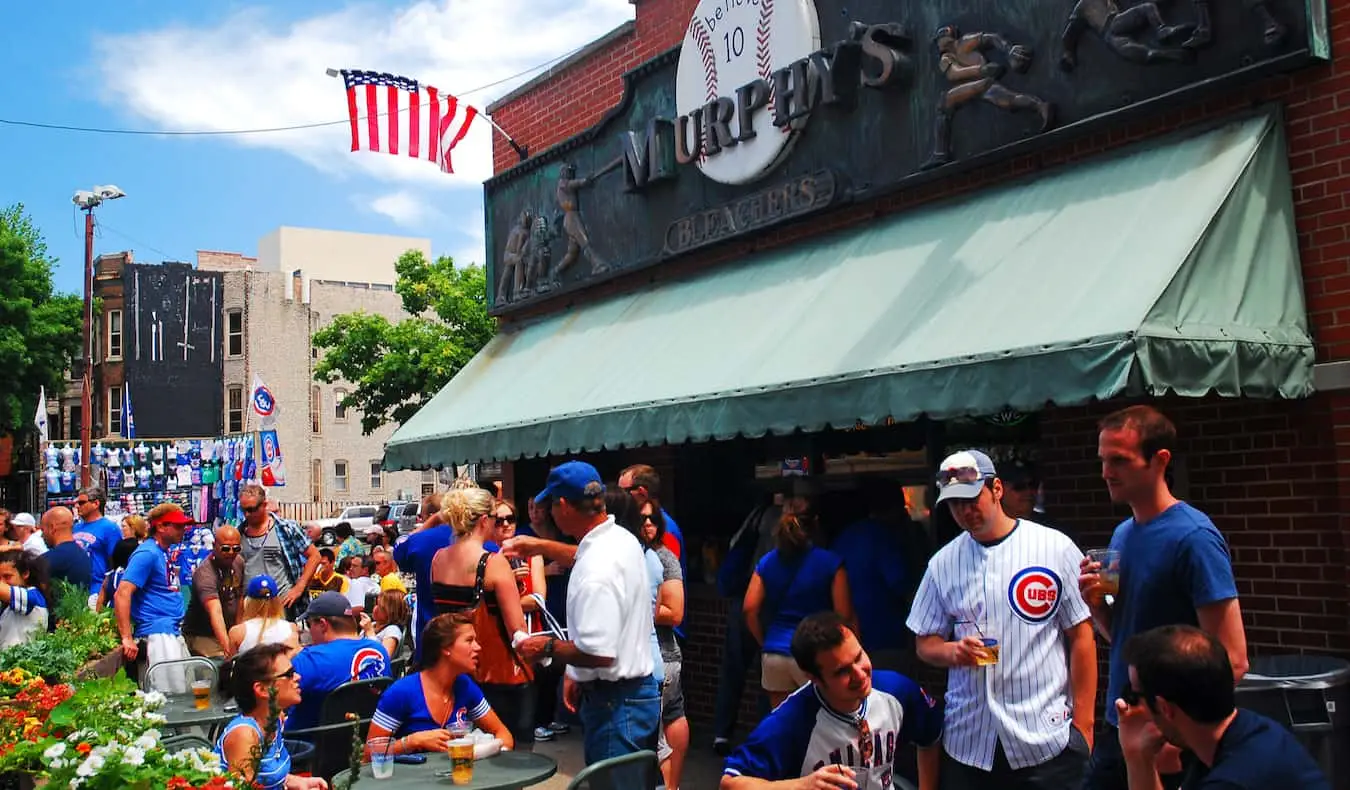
{"x": 149, "y": 597}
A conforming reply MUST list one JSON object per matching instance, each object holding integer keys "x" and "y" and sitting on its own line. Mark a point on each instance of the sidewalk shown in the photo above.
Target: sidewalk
{"x": 702, "y": 769}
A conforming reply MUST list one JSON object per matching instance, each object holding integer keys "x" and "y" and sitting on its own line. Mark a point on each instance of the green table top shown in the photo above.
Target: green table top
{"x": 179, "y": 711}
{"x": 505, "y": 771}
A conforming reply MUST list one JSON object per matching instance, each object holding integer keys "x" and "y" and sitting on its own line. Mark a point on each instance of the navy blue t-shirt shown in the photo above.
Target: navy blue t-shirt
{"x": 874, "y": 558}
{"x": 1169, "y": 567}
{"x": 793, "y": 590}
{"x": 804, "y": 734}
{"x": 415, "y": 554}
{"x": 1256, "y": 753}
{"x": 69, "y": 562}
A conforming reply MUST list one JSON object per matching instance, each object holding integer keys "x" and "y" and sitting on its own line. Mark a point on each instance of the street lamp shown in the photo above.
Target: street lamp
{"x": 87, "y": 201}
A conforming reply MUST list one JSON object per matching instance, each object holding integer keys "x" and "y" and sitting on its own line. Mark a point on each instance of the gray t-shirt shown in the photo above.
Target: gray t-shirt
{"x": 665, "y": 635}
{"x": 263, "y": 555}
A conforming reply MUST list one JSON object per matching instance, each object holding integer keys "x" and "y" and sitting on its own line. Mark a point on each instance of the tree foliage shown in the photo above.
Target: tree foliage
{"x": 395, "y": 368}
{"x": 40, "y": 330}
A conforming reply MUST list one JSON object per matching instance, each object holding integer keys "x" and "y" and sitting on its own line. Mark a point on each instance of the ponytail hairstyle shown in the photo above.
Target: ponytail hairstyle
{"x": 440, "y": 633}
{"x": 240, "y": 673}
{"x": 462, "y": 508}
{"x": 792, "y": 536}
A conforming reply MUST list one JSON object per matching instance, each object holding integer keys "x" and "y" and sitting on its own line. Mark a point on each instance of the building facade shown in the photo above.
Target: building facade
{"x": 273, "y": 305}
{"x": 900, "y": 260}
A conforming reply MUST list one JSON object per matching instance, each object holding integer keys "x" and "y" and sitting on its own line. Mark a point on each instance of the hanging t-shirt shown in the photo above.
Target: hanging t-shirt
{"x": 53, "y": 456}
{"x": 23, "y": 617}
{"x": 53, "y": 481}
{"x": 157, "y": 606}
{"x": 143, "y": 478}
{"x": 67, "y": 457}
{"x": 157, "y": 453}
{"x": 141, "y": 452}
{"x": 114, "y": 477}
{"x": 403, "y": 710}
{"x": 67, "y": 482}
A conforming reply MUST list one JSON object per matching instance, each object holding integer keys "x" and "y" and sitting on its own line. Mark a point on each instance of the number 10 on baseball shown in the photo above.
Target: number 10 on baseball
{"x": 734, "y": 41}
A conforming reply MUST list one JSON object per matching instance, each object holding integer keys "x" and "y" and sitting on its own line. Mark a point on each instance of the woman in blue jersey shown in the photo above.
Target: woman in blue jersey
{"x": 249, "y": 678}
{"x": 792, "y": 582}
{"x": 23, "y": 597}
{"x": 418, "y": 711}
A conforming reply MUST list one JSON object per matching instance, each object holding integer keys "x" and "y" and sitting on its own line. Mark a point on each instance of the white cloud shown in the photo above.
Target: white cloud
{"x": 253, "y": 71}
{"x": 474, "y": 247}
{"x": 405, "y": 208}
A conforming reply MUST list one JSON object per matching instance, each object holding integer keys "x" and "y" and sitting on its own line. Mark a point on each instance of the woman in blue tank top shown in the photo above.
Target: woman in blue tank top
{"x": 792, "y": 582}
{"x": 247, "y": 678}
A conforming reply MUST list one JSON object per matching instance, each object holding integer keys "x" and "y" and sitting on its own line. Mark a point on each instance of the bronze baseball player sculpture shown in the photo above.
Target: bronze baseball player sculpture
{"x": 1122, "y": 33}
{"x": 963, "y": 62}
{"x": 514, "y": 262}
{"x": 1272, "y": 31}
{"x": 578, "y": 243}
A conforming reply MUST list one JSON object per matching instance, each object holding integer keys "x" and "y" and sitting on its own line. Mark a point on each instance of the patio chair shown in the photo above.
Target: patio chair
{"x": 177, "y": 677}
{"x": 332, "y": 737}
{"x": 639, "y": 771}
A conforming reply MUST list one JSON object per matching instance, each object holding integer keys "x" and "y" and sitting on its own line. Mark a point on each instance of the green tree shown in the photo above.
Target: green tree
{"x": 395, "y": 368}
{"x": 40, "y": 330}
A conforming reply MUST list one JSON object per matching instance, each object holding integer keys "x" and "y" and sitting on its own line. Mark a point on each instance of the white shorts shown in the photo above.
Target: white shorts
{"x": 780, "y": 674}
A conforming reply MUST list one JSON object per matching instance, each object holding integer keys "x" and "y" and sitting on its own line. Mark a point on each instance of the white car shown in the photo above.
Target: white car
{"x": 358, "y": 517}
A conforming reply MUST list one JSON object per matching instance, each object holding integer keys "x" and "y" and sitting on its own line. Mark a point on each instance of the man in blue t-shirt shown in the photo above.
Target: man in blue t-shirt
{"x": 1181, "y": 693}
{"x": 96, "y": 533}
{"x": 338, "y": 654}
{"x": 1174, "y": 570}
{"x": 415, "y": 554}
{"x": 149, "y": 596}
{"x": 846, "y": 728}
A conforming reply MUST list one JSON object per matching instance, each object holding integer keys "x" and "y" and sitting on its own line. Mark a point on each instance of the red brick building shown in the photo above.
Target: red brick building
{"x": 1274, "y": 473}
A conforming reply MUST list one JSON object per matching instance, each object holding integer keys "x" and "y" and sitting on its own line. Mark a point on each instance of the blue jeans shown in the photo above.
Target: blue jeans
{"x": 619, "y": 717}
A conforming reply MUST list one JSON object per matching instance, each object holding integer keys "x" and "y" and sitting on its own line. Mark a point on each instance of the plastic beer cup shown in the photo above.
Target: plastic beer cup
{"x": 1110, "y": 570}
{"x": 201, "y": 694}
{"x": 461, "y": 761}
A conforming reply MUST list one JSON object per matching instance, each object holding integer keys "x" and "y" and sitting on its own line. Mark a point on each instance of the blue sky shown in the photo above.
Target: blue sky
{"x": 198, "y": 65}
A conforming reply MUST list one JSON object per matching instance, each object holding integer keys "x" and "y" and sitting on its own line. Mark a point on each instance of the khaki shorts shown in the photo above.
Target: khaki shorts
{"x": 204, "y": 646}
{"x": 779, "y": 673}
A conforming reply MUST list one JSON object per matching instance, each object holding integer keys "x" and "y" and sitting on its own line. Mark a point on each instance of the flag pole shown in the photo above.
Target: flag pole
{"x": 522, "y": 151}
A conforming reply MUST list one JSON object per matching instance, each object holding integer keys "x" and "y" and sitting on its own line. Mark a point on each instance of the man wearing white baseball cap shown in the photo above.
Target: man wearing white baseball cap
{"x": 23, "y": 529}
{"x": 997, "y": 606}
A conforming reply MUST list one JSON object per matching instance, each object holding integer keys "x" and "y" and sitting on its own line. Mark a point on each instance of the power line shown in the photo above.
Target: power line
{"x": 99, "y": 224}
{"x": 267, "y": 130}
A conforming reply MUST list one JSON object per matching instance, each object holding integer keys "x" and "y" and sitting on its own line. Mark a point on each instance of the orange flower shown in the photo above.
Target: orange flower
{"x": 84, "y": 747}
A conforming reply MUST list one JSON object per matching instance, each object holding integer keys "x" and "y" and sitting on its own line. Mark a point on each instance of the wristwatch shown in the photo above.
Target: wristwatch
{"x": 548, "y": 646}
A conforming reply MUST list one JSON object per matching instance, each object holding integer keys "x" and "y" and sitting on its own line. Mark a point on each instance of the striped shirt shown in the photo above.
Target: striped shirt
{"x": 1023, "y": 591}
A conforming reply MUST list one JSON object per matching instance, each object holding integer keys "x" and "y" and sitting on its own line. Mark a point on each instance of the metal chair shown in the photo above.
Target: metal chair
{"x": 638, "y": 771}
{"x": 178, "y": 743}
{"x": 332, "y": 738}
{"x": 177, "y": 677}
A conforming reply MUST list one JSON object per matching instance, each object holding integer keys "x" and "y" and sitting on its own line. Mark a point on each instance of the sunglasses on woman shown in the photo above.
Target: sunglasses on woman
{"x": 288, "y": 674}
{"x": 504, "y": 520}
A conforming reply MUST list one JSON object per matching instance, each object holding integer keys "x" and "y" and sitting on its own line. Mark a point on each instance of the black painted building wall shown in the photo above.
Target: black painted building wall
{"x": 174, "y": 366}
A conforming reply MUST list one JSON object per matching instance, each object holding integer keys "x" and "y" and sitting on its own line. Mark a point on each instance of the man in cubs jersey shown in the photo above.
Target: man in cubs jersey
{"x": 997, "y": 606}
{"x": 843, "y": 729}
{"x": 339, "y": 654}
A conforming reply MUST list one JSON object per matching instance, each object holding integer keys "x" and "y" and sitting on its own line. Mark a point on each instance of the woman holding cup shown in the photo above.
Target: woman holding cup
{"x": 423, "y": 712}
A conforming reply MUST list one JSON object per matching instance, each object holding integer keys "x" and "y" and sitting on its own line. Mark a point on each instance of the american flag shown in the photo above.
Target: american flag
{"x": 399, "y": 115}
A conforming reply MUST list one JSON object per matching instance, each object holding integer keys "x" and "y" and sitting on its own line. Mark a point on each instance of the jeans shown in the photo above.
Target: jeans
{"x": 619, "y": 717}
{"x": 738, "y": 654}
{"x": 1063, "y": 771}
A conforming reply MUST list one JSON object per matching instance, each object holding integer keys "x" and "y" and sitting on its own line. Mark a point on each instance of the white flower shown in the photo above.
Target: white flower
{"x": 155, "y": 718}
{"x": 133, "y": 756}
{"x": 148, "y": 740}
{"x": 152, "y": 699}
{"x": 90, "y": 766}
{"x": 58, "y": 763}
{"x": 54, "y": 751}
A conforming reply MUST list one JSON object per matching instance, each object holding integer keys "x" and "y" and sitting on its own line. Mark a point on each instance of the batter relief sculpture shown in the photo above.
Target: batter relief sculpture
{"x": 974, "y": 77}
{"x": 1123, "y": 33}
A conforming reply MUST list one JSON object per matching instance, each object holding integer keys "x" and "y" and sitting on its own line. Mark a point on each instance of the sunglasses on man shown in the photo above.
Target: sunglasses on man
{"x": 959, "y": 475}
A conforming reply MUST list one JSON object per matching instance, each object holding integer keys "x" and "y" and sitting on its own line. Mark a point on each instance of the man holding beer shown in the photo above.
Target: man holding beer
{"x": 1173, "y": 569}
{"x": 998, "y": 607}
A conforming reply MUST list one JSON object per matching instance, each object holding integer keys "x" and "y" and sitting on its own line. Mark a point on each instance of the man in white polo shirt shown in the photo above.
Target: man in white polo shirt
{"x": 609, "y": 617}
{"x": 1021, "y": 716}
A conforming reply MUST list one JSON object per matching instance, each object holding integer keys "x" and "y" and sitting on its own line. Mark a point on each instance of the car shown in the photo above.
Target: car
{"x": 358, "y": 517}
{"x": 398, "y": 514}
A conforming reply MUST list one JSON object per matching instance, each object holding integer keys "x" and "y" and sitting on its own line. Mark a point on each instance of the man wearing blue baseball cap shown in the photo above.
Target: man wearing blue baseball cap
{"x": 999, "y": 609}
{"x": 609, "y": 616}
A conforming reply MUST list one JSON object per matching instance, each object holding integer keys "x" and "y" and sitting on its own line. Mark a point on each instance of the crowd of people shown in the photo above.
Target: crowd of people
{"x": 511, "y": 627}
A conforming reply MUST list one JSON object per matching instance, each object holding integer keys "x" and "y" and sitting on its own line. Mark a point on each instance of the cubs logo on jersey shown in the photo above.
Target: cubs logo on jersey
{"x": 1034, "y": 594}
{"x": 368, "y": 663}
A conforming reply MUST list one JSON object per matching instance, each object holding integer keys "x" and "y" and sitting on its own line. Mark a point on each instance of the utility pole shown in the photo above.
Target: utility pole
{"x": 87, "y": 202}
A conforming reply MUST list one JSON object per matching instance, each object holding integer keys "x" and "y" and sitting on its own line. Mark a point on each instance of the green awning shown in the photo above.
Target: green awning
{"x": 1170, "y": 266}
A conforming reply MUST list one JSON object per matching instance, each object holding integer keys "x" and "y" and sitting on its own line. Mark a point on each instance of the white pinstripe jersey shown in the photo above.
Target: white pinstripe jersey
{"x": 1024, "y": 592}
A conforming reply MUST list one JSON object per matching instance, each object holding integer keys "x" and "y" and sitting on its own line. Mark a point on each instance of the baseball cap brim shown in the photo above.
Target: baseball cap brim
{"x": 542, "y": 497}
{"x": 960, "y": 491}
{"x": 175, "y": 517}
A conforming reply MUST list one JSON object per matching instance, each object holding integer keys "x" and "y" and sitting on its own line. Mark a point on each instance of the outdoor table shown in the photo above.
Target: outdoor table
{"x": 180, "y": 712}
{"x": 503, "y": 771}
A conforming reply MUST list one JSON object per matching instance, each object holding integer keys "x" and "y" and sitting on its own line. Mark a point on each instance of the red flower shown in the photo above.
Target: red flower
{"x": 83, "y": 747}
{"x": 179, "y": 783}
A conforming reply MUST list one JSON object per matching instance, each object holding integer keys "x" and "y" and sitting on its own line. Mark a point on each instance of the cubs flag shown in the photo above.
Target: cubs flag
{"x": 263, "y": 404}
{"x": 128, "y": 417}
{"x": 400, "y": 116}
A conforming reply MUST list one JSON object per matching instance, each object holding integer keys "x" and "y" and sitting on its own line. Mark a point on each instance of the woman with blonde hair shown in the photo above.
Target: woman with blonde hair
{"x": 262, "y": 619}
{"x": 793, "y": 581}
{"x": 467, "y": 578}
